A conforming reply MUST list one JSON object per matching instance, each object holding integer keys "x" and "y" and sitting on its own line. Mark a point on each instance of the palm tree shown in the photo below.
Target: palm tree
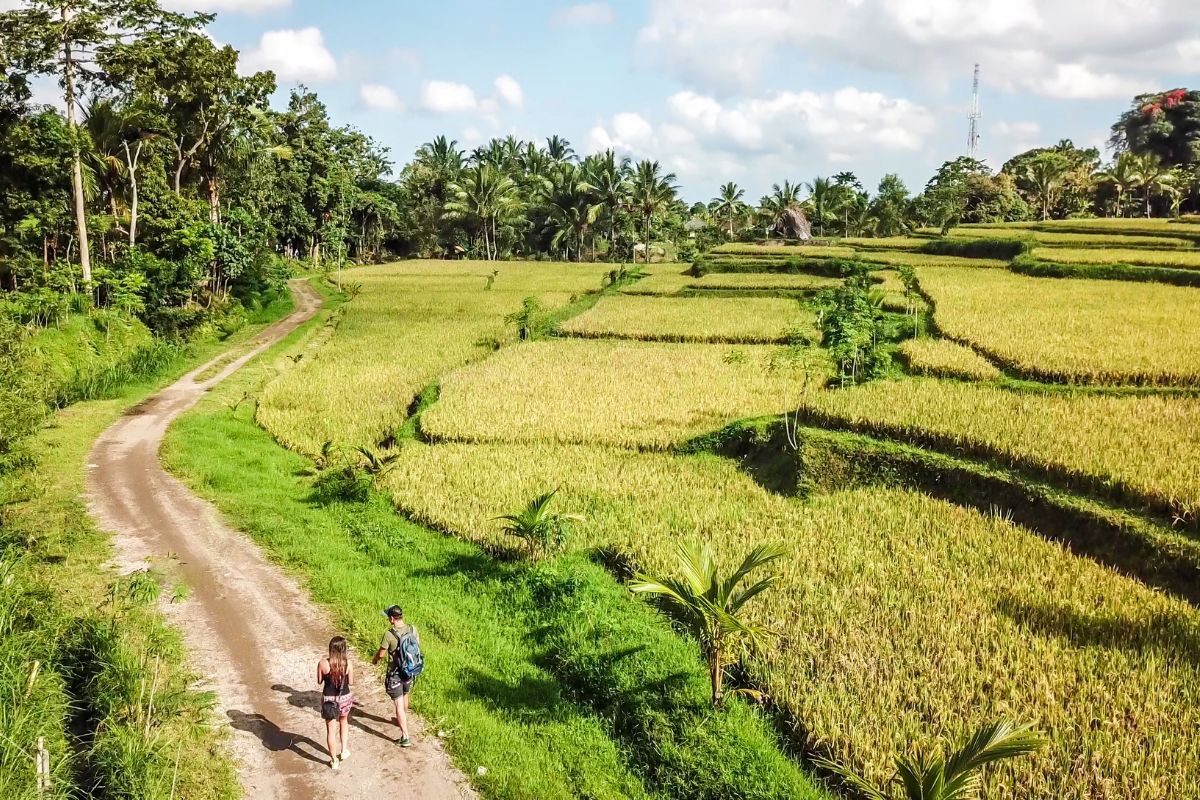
{"x": 559, "y": 149}
{"x": 106, "y": 129}
{"x": 850, "y": 198}
{"x": 1125, "y": 177}
{"x": 729, "y": 202}
{"x": 1155, "y": 175}
{"x": 485, "y": 195}
{"x": 651, "y": 193}
{"x": 710, "y": 606}
{"x": 1176, "y": 189}
{"x": 442, "y": 156}
{"x": 1046, "y": 172}
{"x": 821, "y": 199}
{"x": 569, "y": 200}
{"x": 542, "y": 530}
{"x": 958, "y": 777}
{"x": 609, "y": 179}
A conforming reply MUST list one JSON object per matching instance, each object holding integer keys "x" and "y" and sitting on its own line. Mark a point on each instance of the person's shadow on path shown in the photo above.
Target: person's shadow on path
{"x": 274, "y": 738}
{"x": 312, "y": 699}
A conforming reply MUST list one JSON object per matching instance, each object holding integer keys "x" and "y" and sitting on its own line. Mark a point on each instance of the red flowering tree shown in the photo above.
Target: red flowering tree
{"x": 1166, "y": 125}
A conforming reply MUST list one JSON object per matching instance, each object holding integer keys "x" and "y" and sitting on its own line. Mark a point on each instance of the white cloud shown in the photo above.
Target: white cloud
{"x": 1016, "y": 131}
{"x": 380, "y": 97}
{"x": 471, "y": 137}
{"x": 588, "y": 15}
{"x": 1077, "y": 81}
{"x": 704, "y": 138}
{"x": 446, "y": 97}
{"x": 294, "y": 55}
{"x": 449, "y": 97}
{"x": 510, "y": 91}
{"x": 1056, "y": 48}
{"x": 228, "y": 6}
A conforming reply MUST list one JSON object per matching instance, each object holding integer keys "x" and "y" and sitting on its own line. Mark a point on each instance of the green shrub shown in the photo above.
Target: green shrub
{"x": 346, "y": 484}
{"x": 978, "y": 248}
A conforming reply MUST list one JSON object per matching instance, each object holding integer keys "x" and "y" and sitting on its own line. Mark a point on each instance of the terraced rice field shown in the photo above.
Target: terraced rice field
{"x": 611, "y": 392}
{"x": 900, "y": 615}
{"x": 409, "y": 325}
{"x": 663, "y": 282}
{"x": 1072, "y": 330}
{"x": 946, "y": 359}
{"x": 903, "y": 618}
{"x": 692, "y": 319}
{"x": 899, "y": 258}
{"x": 1179, "y": 259}
{"x": 885, "y": 242}
{"x": 763, "y": 281}
{"x": 784, "y": 251}
{"x": 1079, "y": 240}
{"x": 1145, "y": 446}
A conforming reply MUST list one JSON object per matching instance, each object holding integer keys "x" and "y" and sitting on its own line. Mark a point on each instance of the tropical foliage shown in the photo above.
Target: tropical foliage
{"x": 709, "y": 604}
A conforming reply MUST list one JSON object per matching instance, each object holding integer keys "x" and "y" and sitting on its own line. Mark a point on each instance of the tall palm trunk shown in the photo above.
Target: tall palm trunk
{"x": 214, "y": 202}
{"x": 716, "y": 673}
{"x": 85, "y": 258}
{"x": 131, "y": 160}
{"x": 647, "y": 252}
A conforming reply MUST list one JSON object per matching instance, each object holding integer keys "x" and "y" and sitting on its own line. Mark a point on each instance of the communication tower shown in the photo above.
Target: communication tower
{"x": 973, "y": 131}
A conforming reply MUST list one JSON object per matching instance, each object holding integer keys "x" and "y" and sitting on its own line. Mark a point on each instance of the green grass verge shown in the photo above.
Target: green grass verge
{"x": 78, "y": 648}
{"x": 551, "y": 676}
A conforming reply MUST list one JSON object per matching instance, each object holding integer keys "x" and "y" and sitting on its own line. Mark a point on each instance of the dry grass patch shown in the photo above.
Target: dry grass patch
{"x": 692, "y": 319}
{"x": 1074, "y": 330}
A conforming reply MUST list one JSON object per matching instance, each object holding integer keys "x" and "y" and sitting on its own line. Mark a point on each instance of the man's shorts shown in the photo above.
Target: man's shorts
{"x": 400, "y": 689}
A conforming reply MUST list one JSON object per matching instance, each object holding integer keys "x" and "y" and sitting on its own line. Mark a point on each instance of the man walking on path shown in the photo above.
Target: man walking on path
{"x": 402, "y": 647}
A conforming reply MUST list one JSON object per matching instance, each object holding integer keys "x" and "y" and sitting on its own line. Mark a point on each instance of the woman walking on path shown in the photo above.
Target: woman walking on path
{"x": 335, "y": 675}
{"x": 402, "y": 647}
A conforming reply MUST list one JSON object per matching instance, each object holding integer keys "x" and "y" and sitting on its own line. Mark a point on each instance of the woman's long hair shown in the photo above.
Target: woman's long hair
{"x": 338, "y": 663}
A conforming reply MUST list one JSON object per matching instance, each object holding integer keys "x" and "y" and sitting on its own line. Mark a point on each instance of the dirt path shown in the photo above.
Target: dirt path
{"x": 249, "y": 628}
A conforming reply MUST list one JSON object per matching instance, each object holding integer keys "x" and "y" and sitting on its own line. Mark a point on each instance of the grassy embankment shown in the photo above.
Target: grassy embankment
{"x": 85, "y": 660}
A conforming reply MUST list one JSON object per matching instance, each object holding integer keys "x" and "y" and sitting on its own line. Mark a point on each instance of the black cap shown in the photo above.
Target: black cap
{"x": 393, "y": 611}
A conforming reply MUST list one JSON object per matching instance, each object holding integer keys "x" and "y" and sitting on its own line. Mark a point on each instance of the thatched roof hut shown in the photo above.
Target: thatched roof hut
{"x": 792, "y": 224}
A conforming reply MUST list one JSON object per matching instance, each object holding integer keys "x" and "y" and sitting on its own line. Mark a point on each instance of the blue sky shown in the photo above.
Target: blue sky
{"x": 753, "y": 91}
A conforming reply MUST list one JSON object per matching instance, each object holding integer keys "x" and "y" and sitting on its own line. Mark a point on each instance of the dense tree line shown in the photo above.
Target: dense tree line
{"x": 169, "y": 188}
